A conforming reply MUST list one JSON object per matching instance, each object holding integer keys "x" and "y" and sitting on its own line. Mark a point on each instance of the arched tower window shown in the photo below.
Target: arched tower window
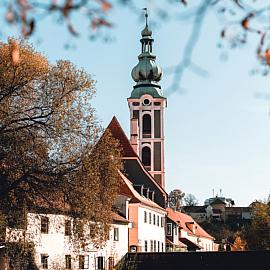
{"x": 146, "y": 126}
{"x": 146, "y": 156}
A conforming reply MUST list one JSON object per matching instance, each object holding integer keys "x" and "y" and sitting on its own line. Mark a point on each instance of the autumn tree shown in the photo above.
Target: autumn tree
{"x": 257, "y": 235}
{"x": 175, "y": 199}
{"x": 239, "y": 243}
{"x": 52, "y": 154}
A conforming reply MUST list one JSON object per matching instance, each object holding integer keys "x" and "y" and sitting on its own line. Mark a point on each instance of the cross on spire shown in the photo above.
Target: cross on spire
{"x": 146, "y": 16}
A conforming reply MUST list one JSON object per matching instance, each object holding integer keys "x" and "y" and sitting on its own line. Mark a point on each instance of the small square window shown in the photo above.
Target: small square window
{"x": 116, "y": 234}
{"x": 67, "y": 227}
{"x": 68, "y": 261}
{"x": 44, "y": 261}
{"x": 44, "y": 225}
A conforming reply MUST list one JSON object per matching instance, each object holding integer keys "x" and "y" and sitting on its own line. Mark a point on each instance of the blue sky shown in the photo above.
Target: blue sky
{"x": 217, "y": 131}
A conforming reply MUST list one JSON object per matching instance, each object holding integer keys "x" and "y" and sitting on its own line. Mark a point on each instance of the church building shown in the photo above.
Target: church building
{"x": 143, "y": 176}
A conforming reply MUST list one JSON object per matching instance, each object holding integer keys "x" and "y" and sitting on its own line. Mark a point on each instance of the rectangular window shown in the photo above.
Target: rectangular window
{"x": 150, "y": 218}
{"x": 111, "y": 263}
{"x": 162, "y": 247}
{"x": 67, "y": 227}
{"x": 169, "y": 229}
{"x": 44, "y": 261}
{"x": 83, "y": 262}
{"x": 145, "y": 245}
{"x": 155, "y": 245}
{"x": 158, "y": 246}
{"x": 145, "y": 217}
{"x": 44, "y": 225}
{"x": 162, "y": 222}
{"x": 101, "y": 262}
{"x": 157, "y": 220}
{"x": 116, "y": 234}
{"x": 154, "y": 219}
{"x": 68, "y": 261}
{"x": 151, "y": 245}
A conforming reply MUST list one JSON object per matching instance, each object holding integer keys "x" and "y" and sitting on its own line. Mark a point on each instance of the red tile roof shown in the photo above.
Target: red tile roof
{"x": 118, "y": 133}
{"x": 183, "y": 219}
{"x": 117, "y": 218}
{"x": 128, "y": 152}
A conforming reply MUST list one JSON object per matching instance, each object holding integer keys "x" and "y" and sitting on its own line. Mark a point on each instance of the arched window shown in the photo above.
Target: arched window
{"x": 146, "y": 156}
{"x": 147, "y": 126}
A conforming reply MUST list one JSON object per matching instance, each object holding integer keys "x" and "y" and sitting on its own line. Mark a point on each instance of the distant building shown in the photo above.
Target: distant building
{"x": 220, "y": 209}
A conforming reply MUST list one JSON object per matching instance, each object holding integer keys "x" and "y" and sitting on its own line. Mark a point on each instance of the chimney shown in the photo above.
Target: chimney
{"x": 134, "y": 133}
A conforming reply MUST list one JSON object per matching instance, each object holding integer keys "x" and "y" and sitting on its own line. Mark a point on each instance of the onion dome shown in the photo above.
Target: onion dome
{"x": 146, "y": 71}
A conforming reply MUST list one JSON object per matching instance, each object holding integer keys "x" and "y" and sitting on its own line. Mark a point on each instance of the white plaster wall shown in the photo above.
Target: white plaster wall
{"x": 56, "y": 245}
{"x": 206, "y": 243}
{"x": 117, "y": 249}
{"x": 148, "y": 231}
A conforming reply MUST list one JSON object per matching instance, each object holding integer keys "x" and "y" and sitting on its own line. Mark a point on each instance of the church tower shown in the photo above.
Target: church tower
{"x": 147, "y": 104}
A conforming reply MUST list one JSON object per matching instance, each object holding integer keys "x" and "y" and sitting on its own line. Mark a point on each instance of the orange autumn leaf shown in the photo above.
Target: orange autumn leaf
{"x": 105, "y": 5}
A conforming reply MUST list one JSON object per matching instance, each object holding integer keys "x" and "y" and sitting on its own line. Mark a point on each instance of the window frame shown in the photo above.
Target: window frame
{"x": 68, "y": 261}
{"x": 44, "y": 261}
{"x": 44, "y": 225}
{"x": 116, "y": 234}
{"x": 83, "y": 261}
{"x": 169, "y": 229}
{"x": 145, "y": 217}
{"x": 145, "y": 246}
{"x": 68, "y": 229}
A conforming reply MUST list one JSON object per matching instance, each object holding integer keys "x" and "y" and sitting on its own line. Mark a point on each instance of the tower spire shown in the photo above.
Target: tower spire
{"x": 146, "y": 16}
{"x": 147, "y": 104}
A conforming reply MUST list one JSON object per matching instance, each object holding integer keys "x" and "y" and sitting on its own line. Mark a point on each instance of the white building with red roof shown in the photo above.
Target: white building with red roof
{"x": 186, "y": 232}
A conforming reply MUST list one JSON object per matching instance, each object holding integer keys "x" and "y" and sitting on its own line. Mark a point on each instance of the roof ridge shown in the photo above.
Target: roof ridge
{"x": 118, "y": 133}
